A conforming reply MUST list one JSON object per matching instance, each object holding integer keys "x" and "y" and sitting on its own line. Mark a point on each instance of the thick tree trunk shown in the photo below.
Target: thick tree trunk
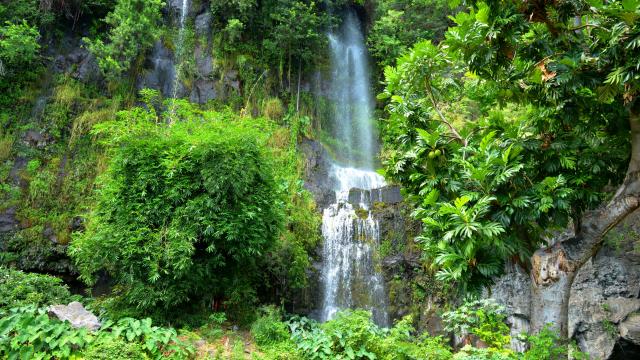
{"x": 554, "y": 268}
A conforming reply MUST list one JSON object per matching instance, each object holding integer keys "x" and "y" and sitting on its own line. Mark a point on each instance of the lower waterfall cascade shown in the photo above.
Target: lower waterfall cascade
{"x": 349, "y": 271}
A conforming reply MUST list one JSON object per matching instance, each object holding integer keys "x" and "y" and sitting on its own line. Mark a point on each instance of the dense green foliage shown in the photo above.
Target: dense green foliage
{"x": 18, "y": 46}
{"x": 134, "y": 28}
{"x": 390, "y": 36}
{"x": 352, "y": 335}
{"x": 29, "y": 333}
{"x": 19, "y": 289}
{"x": 498, "y": 135}
{"x": 279, "y": 33}
{"x": 501, "y": 129}
{"x": 185, "y": 212}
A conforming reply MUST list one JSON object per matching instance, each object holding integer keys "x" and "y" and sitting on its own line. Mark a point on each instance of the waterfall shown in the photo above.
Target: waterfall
{"x": 351, "y": 93}
{"x": 350, "y": 278}
{"x": 184, "y": 11}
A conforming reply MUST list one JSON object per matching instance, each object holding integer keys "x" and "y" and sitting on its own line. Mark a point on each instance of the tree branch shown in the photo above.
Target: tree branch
{"x": 453, "y": 130}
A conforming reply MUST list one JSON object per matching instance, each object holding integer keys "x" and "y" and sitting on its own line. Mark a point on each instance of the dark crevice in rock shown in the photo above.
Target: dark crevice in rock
{"x": 625, "y": 350}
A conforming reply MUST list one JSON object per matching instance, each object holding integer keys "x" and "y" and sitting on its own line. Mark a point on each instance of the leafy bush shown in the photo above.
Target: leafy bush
{"x": 18, "y": 289}
{"x": 547, "y": 344}
{"x": 158, "y": 342}
{"x": 185, "y": 212}
{"x": 483, "y": 318}
{"x": 498, "y": 141}
{"x": 114, "y": 349}
{"x": 352, "y": 335}
{"x": 18, "y": 46}
{"x": 134, "y": 28}
{"x": 269, "y": 329}
{"x": 28, "y": 333}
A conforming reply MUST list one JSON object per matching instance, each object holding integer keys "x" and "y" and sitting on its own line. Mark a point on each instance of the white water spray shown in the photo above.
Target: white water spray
{"x": 351, "y": 234}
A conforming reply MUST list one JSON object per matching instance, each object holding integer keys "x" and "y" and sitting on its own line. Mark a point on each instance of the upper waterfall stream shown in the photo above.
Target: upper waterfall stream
{"x": 351, "y": 234}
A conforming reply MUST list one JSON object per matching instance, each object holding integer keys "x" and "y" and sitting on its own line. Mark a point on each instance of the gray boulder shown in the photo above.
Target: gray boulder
{"x": 76, "y": 314}
{"x": 203, "y": 24}
{"x": 604, "y": 303}
{"x": 513, "y": 291}
{"x": 203, "y": 91}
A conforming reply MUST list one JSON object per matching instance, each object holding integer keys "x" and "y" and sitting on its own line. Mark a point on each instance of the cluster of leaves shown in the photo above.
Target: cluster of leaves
{"x": 483, "y": 318}
{"x": 497, "y": 135}
{"x": 29, "y": 333}
{"x": 353, "y": 335}
{"x": 18, "y": 46}
{"x": 269, "y": 329}
{"x": 135, "y": 26}
{"x": 547, "y": 344}
{"x": 19, "y": 289}
{"x": 390, "y": 36}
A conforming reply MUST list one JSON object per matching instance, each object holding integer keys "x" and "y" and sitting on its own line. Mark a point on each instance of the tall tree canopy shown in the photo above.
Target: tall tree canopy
{"x": 523, "y": 119}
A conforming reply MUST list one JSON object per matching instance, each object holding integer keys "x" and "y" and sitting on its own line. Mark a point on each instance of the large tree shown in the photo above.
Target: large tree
{"x": 522, "y": 121}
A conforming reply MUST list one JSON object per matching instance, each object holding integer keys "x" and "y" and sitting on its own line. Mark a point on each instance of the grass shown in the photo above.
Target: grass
{"x": 6, "y": 146}
{"x": 273, "y": 109}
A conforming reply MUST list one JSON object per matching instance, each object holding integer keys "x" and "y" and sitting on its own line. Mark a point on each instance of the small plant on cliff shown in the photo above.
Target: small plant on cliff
{"x": 482, "y": 318}
{"x": 547, "y": 344}
{"x": 134, "y": 28}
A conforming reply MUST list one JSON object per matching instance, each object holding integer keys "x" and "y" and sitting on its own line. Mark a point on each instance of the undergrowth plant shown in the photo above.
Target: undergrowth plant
{"x": 483, "y": 318}
{"x": 29, "y": 333}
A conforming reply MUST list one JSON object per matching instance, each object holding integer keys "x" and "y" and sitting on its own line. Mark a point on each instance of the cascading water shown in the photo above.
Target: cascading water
{"x": 184, "y": 11}
{"x": 350, "y": 232}
{"x": 352, "y": 93}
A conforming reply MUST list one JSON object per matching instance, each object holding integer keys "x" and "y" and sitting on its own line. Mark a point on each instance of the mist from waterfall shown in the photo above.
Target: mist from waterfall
{"x": 350, "y": 270}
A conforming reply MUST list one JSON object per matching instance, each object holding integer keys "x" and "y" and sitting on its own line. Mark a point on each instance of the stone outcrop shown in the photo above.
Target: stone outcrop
{"x": 513, "y": 291}
{"x": 369, "y": 198}
{"x": 604, "y": 302}
{"x": 317, "y": 169}
{"x": 76, "y": 314}
{"x": 160, "y": 72}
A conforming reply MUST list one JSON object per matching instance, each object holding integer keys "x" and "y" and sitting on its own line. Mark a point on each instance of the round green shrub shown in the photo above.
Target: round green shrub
{"x": 184, "y": 214}
{"x": 114, "y": 349}
{"x": 269, "y": 328}
{"x": 19, "y": 289}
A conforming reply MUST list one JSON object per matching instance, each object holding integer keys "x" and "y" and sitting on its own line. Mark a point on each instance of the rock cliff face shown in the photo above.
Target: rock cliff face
{"x": 604, "y": 305}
